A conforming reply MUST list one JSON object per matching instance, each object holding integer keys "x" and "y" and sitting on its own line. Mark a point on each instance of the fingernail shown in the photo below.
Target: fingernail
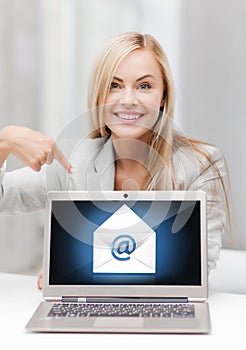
{"x": 70, "y": 170}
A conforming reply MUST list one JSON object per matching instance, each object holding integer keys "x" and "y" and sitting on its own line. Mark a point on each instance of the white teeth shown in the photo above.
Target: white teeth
{"x": 129, "y": 116}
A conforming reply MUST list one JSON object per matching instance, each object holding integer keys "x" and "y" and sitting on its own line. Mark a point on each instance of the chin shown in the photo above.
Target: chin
{"x": 140, "y": 134}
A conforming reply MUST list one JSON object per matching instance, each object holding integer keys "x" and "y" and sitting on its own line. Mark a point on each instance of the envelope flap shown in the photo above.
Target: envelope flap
{"x": 124, "y": 218}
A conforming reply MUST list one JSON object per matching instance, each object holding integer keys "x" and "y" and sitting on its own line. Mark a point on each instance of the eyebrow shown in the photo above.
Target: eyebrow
{"x": 141, "y": 78}
{"x": 146, "y": 76}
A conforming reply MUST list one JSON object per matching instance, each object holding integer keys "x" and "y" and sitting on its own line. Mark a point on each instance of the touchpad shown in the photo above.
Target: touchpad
{"x": 107, "y": 322}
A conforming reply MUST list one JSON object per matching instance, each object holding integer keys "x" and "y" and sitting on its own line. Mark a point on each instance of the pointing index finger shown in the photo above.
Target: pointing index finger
{"x": 59, "y": 156}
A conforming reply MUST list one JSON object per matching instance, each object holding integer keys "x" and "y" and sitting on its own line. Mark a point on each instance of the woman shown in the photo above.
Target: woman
{"x": 132, "y": 143}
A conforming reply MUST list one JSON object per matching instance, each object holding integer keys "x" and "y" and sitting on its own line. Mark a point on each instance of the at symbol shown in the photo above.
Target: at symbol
{"x": 123, "y": 244}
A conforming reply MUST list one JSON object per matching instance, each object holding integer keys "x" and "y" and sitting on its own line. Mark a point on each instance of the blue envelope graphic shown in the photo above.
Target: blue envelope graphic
{"x": 124, "y": 243}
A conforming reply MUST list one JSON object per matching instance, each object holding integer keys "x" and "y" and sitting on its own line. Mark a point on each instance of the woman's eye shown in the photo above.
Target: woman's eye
{"x": 114, "y": 86}
{"x": 144, "y": 86}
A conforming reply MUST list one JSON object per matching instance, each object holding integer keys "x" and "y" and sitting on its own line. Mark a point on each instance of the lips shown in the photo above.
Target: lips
{"x": 128, "y": 116}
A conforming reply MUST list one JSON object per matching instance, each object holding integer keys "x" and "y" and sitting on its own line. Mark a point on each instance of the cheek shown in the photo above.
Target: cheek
{"x": 158, "y": 100}
{"x": 107, "y": 100}
{"x": 153, "y": 99}
{"x": 110, "y": 99}
{"x": 107, "y": 111}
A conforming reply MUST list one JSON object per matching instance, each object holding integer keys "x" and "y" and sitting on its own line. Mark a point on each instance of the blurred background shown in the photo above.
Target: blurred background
{"x": 47, "y": 48}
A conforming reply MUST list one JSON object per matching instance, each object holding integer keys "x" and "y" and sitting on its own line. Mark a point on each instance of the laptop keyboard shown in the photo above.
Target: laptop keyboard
{"x": 122, "y": 310}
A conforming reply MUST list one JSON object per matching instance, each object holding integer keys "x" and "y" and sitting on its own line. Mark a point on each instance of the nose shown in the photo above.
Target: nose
{"x": 128, "y": 97}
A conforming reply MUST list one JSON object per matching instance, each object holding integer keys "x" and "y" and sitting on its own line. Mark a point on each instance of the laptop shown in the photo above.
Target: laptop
{"x": 124, "y": 262}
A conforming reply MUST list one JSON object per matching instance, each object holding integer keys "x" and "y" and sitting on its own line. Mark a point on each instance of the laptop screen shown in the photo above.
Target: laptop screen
{"x": 125, "y": 242}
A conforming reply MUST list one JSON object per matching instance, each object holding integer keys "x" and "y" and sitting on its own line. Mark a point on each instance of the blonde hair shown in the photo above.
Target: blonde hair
{"x": 104, "y": 70}
{"x": 164, "y": 141}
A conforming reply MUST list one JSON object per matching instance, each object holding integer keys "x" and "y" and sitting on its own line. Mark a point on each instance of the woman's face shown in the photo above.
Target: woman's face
{"x": 135, "y": 96}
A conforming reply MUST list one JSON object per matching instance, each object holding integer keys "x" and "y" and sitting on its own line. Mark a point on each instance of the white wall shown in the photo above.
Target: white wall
{"x": 213, "y": 56}
{"x": 20, "y": 80}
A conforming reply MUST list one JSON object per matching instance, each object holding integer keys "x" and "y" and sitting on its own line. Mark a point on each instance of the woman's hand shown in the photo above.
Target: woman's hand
{"x": 40, "y": 279}
{"x": 32, "y": 147}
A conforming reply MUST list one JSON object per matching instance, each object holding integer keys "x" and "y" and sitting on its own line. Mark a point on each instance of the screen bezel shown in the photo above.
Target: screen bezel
{"x": 143, "y": 291}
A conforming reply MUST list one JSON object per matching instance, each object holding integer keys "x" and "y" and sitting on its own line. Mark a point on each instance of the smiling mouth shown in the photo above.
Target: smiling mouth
{"x": 129, "y": 116}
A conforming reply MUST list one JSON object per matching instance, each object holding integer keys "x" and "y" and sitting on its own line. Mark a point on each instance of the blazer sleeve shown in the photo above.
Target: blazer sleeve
{"x": 25, "y": 190}
{"x": 213, "y": 179}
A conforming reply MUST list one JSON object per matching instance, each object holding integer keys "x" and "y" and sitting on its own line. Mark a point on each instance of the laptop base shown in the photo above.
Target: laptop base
{"x": 41, "y": 323}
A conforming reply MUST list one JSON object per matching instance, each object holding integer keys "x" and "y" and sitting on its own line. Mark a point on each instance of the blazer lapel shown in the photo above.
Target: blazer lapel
{"x": 103, "y": 172}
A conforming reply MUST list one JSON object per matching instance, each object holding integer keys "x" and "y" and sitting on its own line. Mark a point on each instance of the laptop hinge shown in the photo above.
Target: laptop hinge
{"x": 137, "y": 300}
{"x": 197, "y": 300}
{"x": 72, "y": 300}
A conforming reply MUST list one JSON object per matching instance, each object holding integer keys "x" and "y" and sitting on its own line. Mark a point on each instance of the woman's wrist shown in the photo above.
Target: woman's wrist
{"x": 2, "y": 171}
{"x": 5, "y": 148}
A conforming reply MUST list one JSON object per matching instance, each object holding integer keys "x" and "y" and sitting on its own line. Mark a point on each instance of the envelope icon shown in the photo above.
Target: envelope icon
{"x": 124, "y": 243}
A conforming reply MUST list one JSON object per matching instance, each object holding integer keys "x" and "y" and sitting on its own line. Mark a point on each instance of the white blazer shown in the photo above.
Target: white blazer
{"x": 24, "y": 190}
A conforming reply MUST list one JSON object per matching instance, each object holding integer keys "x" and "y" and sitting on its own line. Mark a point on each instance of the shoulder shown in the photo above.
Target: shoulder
{"x": 187, "y": 148}
{"x": 192, "y": 158}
